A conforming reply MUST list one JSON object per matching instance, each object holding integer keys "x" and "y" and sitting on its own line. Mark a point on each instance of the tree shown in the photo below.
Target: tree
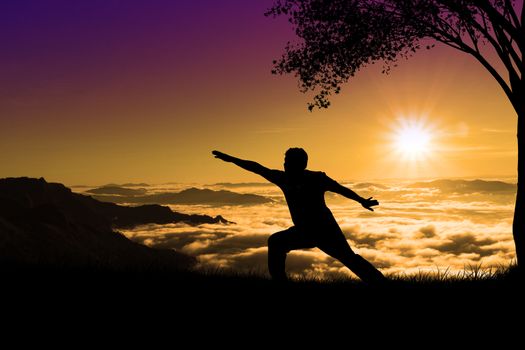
{"x": 339, "y": 37}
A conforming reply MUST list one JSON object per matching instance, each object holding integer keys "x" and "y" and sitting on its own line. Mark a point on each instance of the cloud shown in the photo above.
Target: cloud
{"x": 229, "y": 244}
{"x": 466, "y": 243}
{"x": 426, "y": 232}
{"x": 368, "y": 239}
{"x": 179, "y": 240}
{"x": 300, "y": 260}
{"x": 413, "y": 230}
{"x": 252, "y": 258}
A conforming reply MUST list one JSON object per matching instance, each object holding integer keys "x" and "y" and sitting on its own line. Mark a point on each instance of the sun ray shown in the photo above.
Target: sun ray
{"x": 412, "y": 139}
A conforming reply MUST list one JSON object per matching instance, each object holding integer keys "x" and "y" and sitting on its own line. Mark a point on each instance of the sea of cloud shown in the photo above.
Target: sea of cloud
{"x": 415, "y": 229}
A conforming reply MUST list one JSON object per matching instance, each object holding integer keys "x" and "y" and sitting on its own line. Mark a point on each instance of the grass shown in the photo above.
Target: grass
{"x": 220, "y": 302}
{"x": 473, "y": 291}
{"x": 472, "y": 275}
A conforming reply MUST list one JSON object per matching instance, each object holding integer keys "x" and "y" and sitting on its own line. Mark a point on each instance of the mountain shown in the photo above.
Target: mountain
{"x": 242, "y": 184}
{"x": 368, "y": 185}
{"x": 466, "y": 186}
{"x": 128, "y": 184}
{"x": 47, "y": 224}
{"x": 118, "y": 190}
{"x": 125, "y": 217}
{"x": 189, "y": 196}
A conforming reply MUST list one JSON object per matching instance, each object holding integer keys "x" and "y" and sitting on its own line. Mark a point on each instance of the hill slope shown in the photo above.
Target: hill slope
{"x": 46, "y": 223}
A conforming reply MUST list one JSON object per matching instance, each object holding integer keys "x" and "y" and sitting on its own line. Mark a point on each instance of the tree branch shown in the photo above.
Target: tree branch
{"x": 522, "y": 17}
{"x": 500, "y": 19}
{"x": 457, "y": 43}
{"x": 452, "y": 41}
{"x": 473, "y": 38}
{"x": 498, "y": 77}
{"x": 512, "y": 13}
{"x": 501, "y": 44}
{"x": 450, "y": 44}
{"x": 521, "y": 41}
{"x": 508, "y": 53}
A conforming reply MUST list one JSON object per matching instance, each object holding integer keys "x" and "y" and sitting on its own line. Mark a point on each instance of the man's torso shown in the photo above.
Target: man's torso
{"x": 305, "y": 197}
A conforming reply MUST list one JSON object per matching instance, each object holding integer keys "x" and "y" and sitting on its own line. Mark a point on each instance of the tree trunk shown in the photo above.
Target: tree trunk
{"x": 518, "y": 227}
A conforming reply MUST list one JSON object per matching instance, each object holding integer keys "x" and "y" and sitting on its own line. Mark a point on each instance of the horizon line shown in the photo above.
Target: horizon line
{"x": 209, "y": 183}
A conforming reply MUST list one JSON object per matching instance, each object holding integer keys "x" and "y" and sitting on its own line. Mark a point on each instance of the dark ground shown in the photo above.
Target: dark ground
{"x": 226, "y": 290}
{"x": 101, "y": 308}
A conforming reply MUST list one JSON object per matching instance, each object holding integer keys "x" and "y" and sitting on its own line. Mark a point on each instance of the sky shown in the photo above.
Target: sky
{"x": 98, "y": 91}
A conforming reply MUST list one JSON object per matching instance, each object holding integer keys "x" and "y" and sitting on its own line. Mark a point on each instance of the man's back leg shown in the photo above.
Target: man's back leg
{"x": 338, "y": 248}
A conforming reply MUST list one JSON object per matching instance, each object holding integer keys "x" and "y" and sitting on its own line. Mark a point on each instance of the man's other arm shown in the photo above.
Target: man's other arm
{"x": 336, "y": 187}
{"x": 249, "y": 165}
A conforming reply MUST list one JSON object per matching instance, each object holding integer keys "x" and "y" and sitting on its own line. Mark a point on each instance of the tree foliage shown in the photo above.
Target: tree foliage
{"x": 339, "y": 37}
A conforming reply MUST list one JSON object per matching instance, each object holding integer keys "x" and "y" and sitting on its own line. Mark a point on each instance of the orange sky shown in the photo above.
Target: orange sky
{"x": 146, "y": 97}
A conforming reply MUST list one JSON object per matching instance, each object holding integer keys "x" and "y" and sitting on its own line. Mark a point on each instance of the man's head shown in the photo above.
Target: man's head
{"x": 295, "y": 160}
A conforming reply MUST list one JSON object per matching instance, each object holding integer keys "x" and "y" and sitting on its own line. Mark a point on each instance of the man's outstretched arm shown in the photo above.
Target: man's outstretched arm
{"x": 249, "y": 165}
{"x": 367, "y": 203}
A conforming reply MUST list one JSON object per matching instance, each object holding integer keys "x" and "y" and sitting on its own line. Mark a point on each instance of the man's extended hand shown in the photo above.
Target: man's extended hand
{"x": 369, "y": 203}
{"x": 222, "y": 156}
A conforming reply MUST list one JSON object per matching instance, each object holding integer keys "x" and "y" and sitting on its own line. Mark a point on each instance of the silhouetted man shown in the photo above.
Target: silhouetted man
{"x": 315, "y": 225}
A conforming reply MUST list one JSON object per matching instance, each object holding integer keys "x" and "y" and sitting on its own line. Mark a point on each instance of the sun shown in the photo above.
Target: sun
{"x": 412, "y": 139}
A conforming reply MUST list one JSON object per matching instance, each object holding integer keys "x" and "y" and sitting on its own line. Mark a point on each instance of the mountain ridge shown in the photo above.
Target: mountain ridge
{"x": 192, "y": 195}
{"x": 45, "y": 223}
{"x": 462, "y": 186}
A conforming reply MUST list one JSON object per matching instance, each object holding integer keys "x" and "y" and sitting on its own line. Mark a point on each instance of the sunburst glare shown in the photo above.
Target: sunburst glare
{"x": 412, "y": 139}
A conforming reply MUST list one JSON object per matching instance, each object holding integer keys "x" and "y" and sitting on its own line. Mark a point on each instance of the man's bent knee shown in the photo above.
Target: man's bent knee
{"x": 272, "y": 242}
{"x": 275, "y": 241}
